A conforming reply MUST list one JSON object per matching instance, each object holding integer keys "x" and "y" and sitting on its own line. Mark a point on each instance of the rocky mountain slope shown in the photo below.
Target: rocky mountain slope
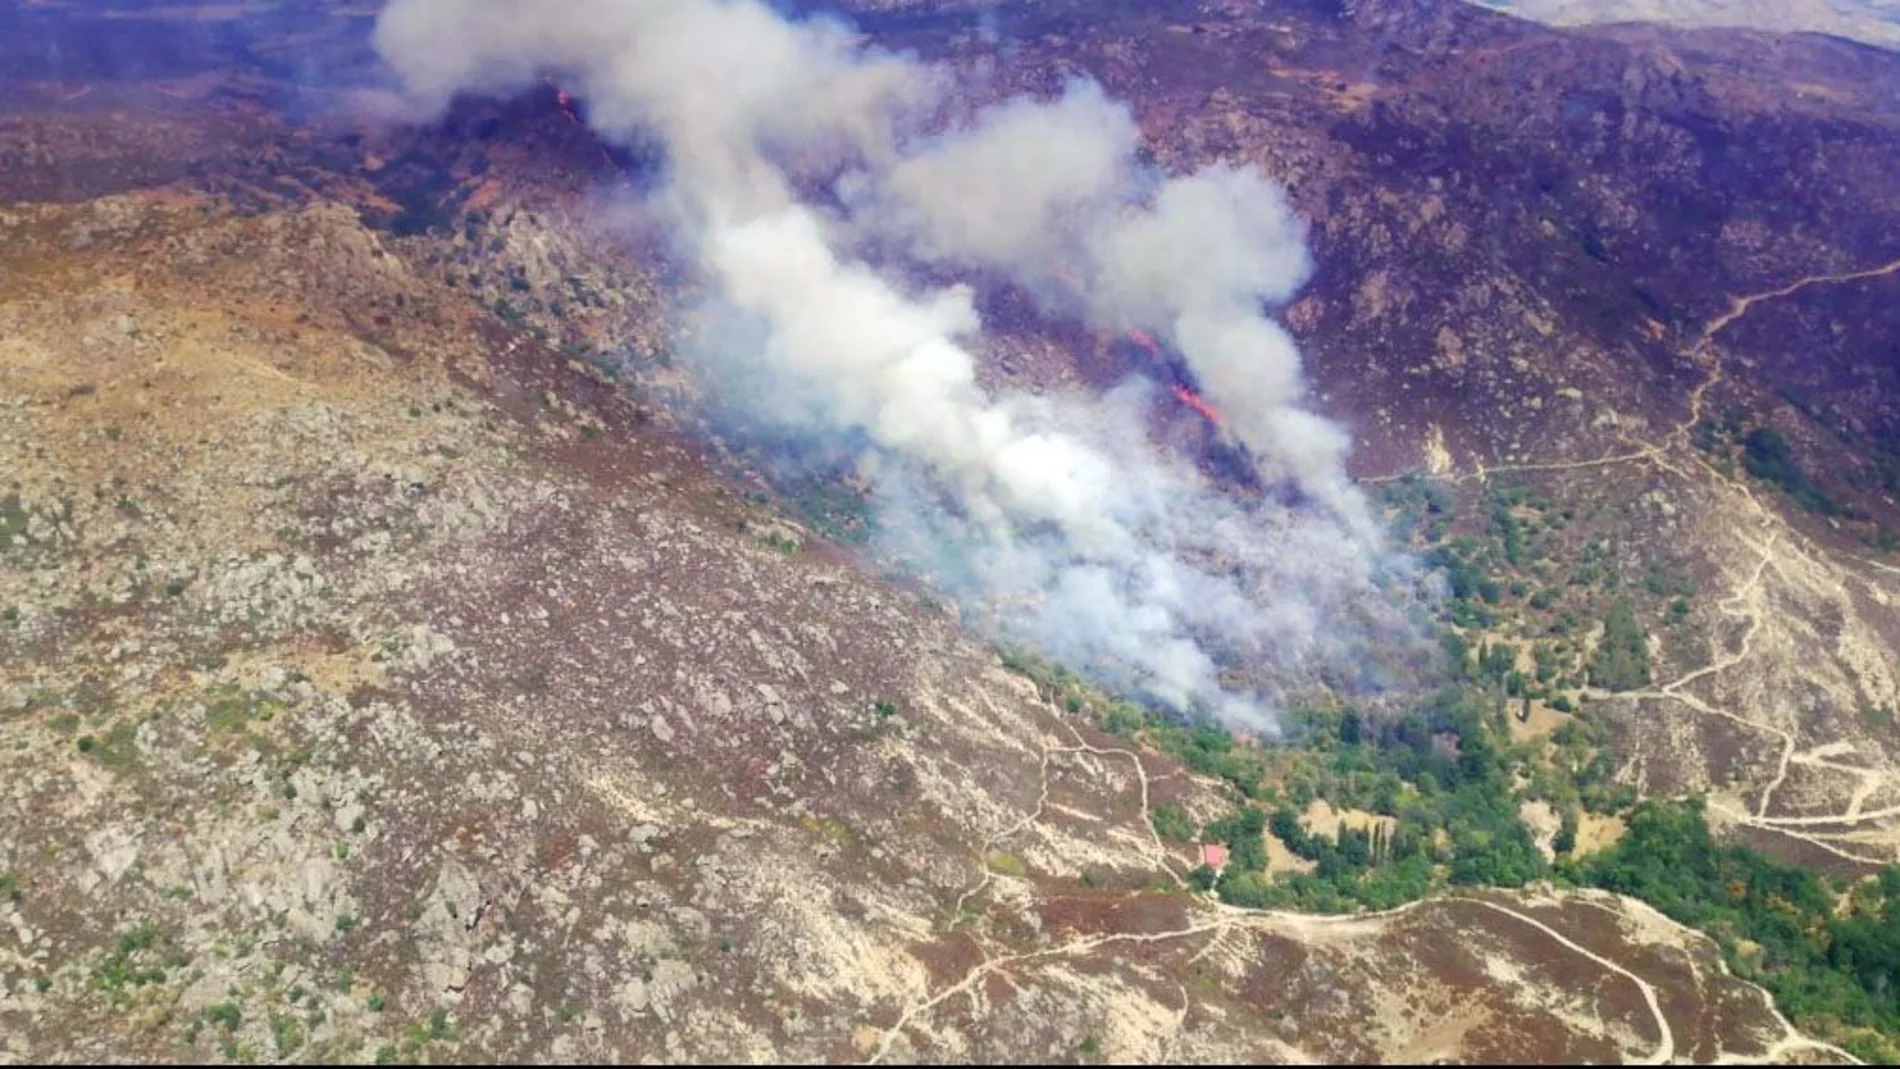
{"x": 1876, "y": 22}
{"x": 396, "y": 692}
{"x": 1588, "y": 266}
{"x": 389, "y": 673}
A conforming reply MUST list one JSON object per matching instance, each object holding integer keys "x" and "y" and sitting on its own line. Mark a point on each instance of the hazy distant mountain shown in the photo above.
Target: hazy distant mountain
{"x": 1873, "y": 21}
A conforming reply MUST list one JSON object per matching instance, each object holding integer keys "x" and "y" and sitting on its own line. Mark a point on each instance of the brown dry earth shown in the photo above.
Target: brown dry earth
{"x": 420, "y": 664}
{"x": 416, "y": 672}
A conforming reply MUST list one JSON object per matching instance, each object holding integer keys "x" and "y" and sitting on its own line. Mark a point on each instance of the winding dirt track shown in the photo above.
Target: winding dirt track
{"x": 1673, "y": 453}
{"x": 1704, "y": 354}
{"x": 1218, "y": 919}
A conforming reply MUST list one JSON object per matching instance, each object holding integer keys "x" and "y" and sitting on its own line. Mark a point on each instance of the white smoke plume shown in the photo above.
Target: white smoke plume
{"x": 1052, "y": 192}
{"x": 1054, "y": 511}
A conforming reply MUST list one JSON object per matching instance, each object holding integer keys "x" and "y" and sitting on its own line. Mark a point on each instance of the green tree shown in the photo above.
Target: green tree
{"x": 1566, "y": 840}
{"x": 1621, "y": 661}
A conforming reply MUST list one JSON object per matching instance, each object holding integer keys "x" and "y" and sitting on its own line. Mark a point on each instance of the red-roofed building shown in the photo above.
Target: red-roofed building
{"x": 1214, "y": 856}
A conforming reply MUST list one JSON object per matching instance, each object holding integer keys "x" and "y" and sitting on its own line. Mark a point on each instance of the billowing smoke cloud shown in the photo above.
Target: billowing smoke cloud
{"x": 1051, "y": 192}
{"x": 1053, "y": 510}
{"x": 1022, "y": 189}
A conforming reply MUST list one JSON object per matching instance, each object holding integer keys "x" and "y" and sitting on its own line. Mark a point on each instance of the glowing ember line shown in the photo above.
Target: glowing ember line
{"x": 1188, "y": 397}
{"x": 1193, "y": 400}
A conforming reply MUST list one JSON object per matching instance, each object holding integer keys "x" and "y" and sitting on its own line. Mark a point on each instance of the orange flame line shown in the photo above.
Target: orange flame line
{"x": 1194, "y": 401}
{"x": 1187, "y": 397}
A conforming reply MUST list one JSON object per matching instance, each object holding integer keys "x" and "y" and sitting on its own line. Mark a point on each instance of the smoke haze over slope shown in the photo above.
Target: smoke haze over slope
{"x": 1053, "y": 510}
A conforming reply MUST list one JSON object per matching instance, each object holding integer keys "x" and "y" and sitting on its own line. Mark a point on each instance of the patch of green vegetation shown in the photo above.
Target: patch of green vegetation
{"x": 782, "y": 543}
{"x": 130, "y": 963}
{"x": 13, "y": 519}
{"x": 117, "y": 749}
{"x": 1473, "y": 591}
{"x": 1448, "y": 781}
{"x": 1207, "y": 748}
{"x": 1829, "y": 953}
{"x": 1438, "y": 774}
{"x": 345, "y": 923}
{"x": 1621, "y": 661}
{"x": 835, "y": 512}
{"x": 884, "y": 708}
{"x": 226, "y": 1015}
{"x": 1170, "y": 822}
{"x": 837, "y": 832}
{"x": 1564, "y": 843}
{"x": 1006, "y": 864}
{"x": 1767, "y": 456}
{"x": 1827, "y": 957}
{"x": 231, "y": 710}
{"x": 10, "y": 888}
{"x": 288, "y": 1034}
{"x": 17, "y": 540}
{"x": 1883, "y": 539}
{"x": 1873, "y": 469}
{"x": 420, "y": 1036}
{"x": 1120, "y": 719}
{"x": 1422, "y": 508}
